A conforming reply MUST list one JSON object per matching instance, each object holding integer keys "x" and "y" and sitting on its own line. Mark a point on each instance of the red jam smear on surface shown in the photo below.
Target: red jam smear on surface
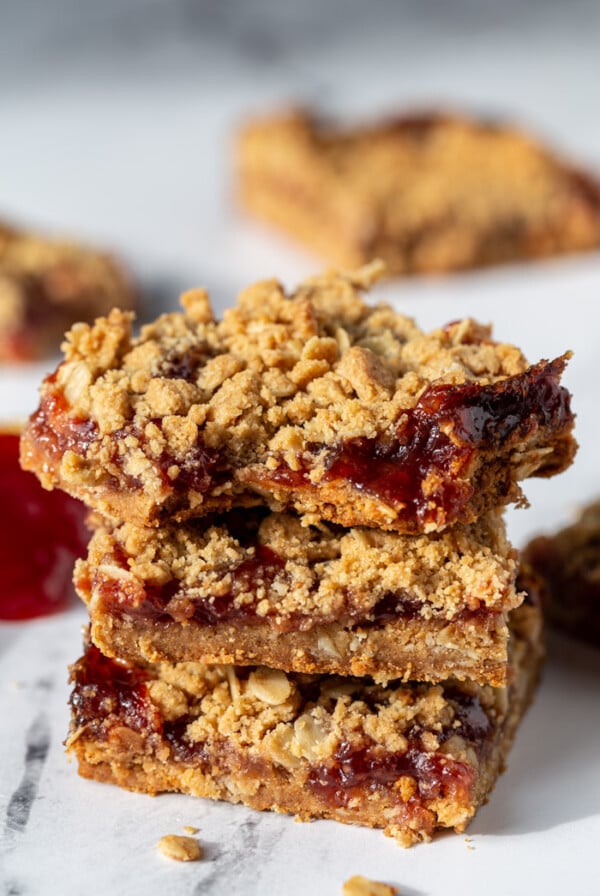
{"x": 105, "y": 687}
{"x": 441, "y": 436}
{"x": 42, "y": 535}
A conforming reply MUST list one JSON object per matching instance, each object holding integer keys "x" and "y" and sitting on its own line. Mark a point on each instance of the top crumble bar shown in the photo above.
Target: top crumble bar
{"x": 314, "y": 401}
{"x": 427, "y": 192}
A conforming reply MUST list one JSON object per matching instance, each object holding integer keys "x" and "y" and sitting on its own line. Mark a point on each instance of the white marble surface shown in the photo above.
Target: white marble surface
{"x": 116, "y": 122}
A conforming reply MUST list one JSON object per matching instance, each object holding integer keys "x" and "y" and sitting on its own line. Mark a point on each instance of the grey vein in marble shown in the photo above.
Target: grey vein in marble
{"x": 37, "y": 744}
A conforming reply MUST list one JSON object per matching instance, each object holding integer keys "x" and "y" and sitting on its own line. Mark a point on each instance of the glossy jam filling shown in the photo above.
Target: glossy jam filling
{"x": 105, "y": 688}
{"x": 437, "y": 776}
{"x": 435, "y": 442}
{"x": 171, "y": 603}
{"x": 108, "y": 693}
{"x": 425, "y": 465}
{"x": 196, "y": 472}
{"x": 42, "y": 535}
{"x": 52, "y": 431}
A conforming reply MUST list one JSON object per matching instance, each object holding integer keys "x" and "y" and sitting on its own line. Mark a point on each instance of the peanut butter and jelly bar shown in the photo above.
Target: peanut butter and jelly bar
{"x": 408, "y": 758}
{"x": 314, "y": 401}
{"x": 255, "y": 587}
{"x": 425, "y": 192}
{"x": 568, "y": 565}
{"x": 46, "y": 285}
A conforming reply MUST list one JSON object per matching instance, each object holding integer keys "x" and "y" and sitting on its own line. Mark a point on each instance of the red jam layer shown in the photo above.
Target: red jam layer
{"x": 437, "y": 441}
{"x": 197, "y": 471}
{"x": 426, "y": 465}
{"x": 352, "y": 771}
{"x": 42, "y": 535}
{"x": 108, "y": 694}
{"x": 53, "y": 431}
{"x": 436, "y": 775}
{"x": 171, "y": 603}
{"x": 103, "y": 688}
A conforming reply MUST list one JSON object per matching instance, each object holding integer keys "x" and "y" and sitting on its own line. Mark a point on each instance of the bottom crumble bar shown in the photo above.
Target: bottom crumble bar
{"x": 410, "y": 759}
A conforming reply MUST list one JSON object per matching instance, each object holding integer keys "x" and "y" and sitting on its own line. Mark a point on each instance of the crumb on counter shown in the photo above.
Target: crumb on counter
{"x": 181, "y": 849}
{"x": 358, "y": 885}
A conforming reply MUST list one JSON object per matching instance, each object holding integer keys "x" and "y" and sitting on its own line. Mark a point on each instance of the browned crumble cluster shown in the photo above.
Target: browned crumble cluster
{"x": 301, "y": 592}
{"x": 46, "y": 285}
{"x": 427, "y": 192}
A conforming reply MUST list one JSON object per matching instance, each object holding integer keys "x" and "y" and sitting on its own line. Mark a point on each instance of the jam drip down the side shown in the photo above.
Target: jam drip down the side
{"x": 424, "y": 465}
{"x": 170, "y": 602}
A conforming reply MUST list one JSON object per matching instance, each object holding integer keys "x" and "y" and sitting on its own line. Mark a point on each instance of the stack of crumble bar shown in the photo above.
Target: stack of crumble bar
{"x": 301, "y": 592}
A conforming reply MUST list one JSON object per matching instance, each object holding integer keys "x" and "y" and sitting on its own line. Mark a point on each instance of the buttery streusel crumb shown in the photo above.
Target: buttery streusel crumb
{"x": 424, "y": 192}
{"x": 46, "y": 285}
{"x": 254, "y": 586}
{"x": 312, "y": 746}
{"x": 179, "y": 848}
{"x": 314, "y": 401}
{"x": 357, "y": 885}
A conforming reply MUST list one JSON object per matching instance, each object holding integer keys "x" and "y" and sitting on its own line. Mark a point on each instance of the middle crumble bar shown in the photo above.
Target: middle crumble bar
{"x": 314, "y": 401}
{"x": 252, "y": 587}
